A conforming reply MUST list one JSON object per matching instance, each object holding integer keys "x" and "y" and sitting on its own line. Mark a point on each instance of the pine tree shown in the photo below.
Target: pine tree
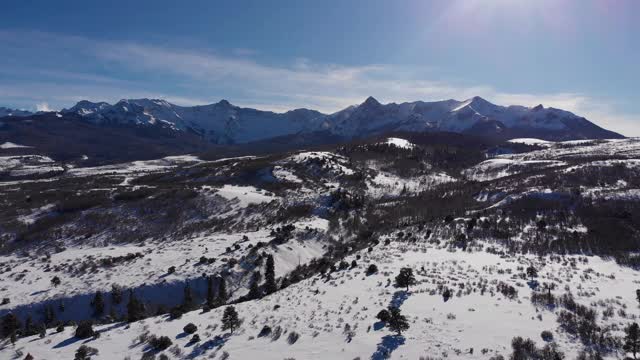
{"x": 135, "y": 309}
{"x": 405, "y": 278}
{"x": 222, "y": 291}
{"x": 532, "y": 272}
{"x": 270, "y": 285}
{"x": 10, "y": 325}
{"x": 230, "y": 320}
{"x": 98, "y": 304}
{"x": 254, "y": 287}
{"x": 188, "y": 298}
{"x": 397, "y": 322}
{"x": 42, "y": 330}
{"x": 116, "y": 294}
{"x": 49, "y": 314}
{"x": 28, "y": 326}
{"x": 632, "y": 339}
{"x": 55, "y": 281}
{"x": 210, "y": 294}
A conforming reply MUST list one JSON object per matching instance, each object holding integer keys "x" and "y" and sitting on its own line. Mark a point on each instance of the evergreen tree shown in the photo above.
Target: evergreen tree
{"x": 210, "y": 294}
{"x": 230, "y": 320}
{"x": 135, "y": 309}
{"x": 28, "y": 326}
{"x": 188, "y": 298}
{"x": 222, "y": 291}
{"x": 397, "y": 322}
{"x": 116, "y": 294}
{"x": 55, "y": 281}
{"x": 49, "y": 314}
{"x": 10, "y": 325}
{"x": 383, "y": 315}
{"x": 405, "y": 278}
{"x": 254, "y": 287}
{"x": 632, "y": 339}
{"x": 532, "y": 272}
{"x": 98, "y": 304}
{"x": 42, "y": 330}
{"x": 638, "y": 295}
{"x": 85, "y": 352}
{"x": 270, "y": 285}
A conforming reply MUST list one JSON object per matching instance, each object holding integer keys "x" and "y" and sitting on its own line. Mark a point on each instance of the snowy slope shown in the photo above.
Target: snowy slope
{"x": 335, "y": 318}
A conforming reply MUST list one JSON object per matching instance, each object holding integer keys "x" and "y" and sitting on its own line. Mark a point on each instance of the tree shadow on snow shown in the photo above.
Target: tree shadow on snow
{"x": 114, "y": 326}
{"x": 216, "y": 342}
{"x": 39, "y": 292}
{"x": 533, "y": 284}
{"x": 182, "y": 335}
{"x": 66, "y": 342}
{"x": 378, "y": 325}
{"x": 388, "y": 344}
{"x": 398, "y": 298}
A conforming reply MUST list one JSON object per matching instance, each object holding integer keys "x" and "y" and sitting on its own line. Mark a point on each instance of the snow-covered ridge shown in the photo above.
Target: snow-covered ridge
{"x": 10, "y": 145}
{"x": 400, "y": 143}
{"x": 225, "y": 123}
{"x": 531, "y": 141}
{"x": 558, "y": 154}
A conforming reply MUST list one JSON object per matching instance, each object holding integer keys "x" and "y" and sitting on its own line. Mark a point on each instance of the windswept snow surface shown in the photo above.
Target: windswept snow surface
{"x": 22, "y": 165}
{"x": 532, "y": 141}
{"x": 334, "y": 163}
{"x": 386, "y": 184}
{"x": 29, "y": 280}
{"x": 146, "y": 166}
{"x": 336, "y": 318}
{"x": 500, "y": 167}
{"x": 10, "y": 145}
{"x": 245, "y": 195}
{"x": 401, "y": 143}
{"x": 557, "y": 155}
{"x": 284, "y": 174}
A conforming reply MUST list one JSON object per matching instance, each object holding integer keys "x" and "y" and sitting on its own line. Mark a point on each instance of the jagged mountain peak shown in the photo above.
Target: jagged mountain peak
{"x": 224, "y": 103}
{"x": 371, "y": 101}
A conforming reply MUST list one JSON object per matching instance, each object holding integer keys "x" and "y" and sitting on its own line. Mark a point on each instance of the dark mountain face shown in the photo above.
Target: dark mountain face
{"x": 70, "y": 137}
{"x": 13, "y": 112}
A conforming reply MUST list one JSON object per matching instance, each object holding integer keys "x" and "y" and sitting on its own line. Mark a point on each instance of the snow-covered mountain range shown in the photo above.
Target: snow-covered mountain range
{"x": 224, "y": 123}
{"x": 220, "y": 123}
{"x": 4, "y": 111}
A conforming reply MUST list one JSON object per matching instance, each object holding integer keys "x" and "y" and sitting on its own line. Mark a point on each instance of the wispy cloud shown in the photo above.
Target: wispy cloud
{"x": 43, "y": 107}
{"x": 76, "y": 68}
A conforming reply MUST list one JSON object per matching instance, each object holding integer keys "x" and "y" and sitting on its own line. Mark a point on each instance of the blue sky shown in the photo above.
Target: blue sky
{"x": 578, "y": 55}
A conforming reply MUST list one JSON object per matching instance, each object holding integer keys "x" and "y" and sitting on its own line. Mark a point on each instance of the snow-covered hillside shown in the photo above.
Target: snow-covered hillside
{"x": 334, "y": 317}
{"x": 539, "y": 242}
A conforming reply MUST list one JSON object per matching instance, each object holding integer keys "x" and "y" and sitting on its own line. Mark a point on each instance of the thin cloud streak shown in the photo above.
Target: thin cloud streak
{"x": 303, "y": 83}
